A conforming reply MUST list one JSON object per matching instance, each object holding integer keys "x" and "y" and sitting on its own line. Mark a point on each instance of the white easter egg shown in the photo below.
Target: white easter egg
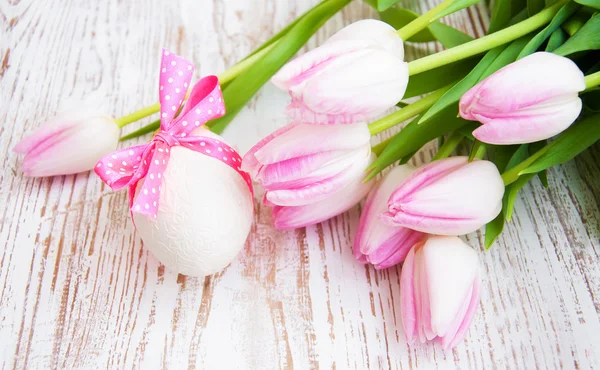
{"x": 204, "y": 216}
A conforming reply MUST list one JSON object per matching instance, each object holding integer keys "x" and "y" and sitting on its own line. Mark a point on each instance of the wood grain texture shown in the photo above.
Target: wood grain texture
{"x": 79, "y": 291}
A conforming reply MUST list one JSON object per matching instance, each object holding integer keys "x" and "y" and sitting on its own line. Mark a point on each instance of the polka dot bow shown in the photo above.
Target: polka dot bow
{"x": 128, "y": 166}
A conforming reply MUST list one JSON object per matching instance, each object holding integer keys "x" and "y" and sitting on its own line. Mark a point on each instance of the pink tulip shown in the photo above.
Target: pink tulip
{"x": 529, "y": 100}
{"x": 356, "y": 75}
{"x": 439, "y": 290}
{"x": 72, "y": 142}
{"x": 376, "y": 242}
{"x": 311, "y": 173}
{"x": 447, "y": 197}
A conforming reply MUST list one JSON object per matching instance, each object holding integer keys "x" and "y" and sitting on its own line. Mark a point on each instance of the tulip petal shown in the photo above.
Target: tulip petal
{"x": 311, "y": 63}
{"x": 442, "y": 198}
{"x": 468, "y": 318}
{"x": 451, "y": 268}
{"x": 527, "y": 126}
{"x": 408, "y": 305}
{"x": 337, "y": 203}
{"x": 394, "y": 250}
{"x": 305, "y": 139}
{"x": 334, "y": 97}
{"x": 320, "y": 190}
{"x": 302, "y": 171}
{"x": 52, "y": 129}
{"x": 376, "y": 242}
{"x": 528, "y": 82}
{"x": 425, "y": 175}
{"x": 375, "y": 31}
{"x": 76, "y": 150}
{"x": 249, "y": 162}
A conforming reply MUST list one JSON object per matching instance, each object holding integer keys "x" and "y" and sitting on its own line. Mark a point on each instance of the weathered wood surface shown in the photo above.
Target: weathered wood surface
{"x": 78, "y": 290}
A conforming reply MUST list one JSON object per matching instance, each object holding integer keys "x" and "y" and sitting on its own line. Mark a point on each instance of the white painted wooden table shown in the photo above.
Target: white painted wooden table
{"x": 79, "y": 291}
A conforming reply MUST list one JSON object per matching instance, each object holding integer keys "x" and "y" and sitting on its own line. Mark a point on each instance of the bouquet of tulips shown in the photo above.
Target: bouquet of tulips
{"x": 516, "y": 102}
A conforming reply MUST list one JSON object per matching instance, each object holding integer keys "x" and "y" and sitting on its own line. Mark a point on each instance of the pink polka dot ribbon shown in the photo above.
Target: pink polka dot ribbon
{"x": 126, "y": 167}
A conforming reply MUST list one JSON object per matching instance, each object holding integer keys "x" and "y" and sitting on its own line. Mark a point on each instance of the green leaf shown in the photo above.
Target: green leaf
{"x": 437, "y": 78}
{"x": 493, "y": 230}
{"x": 491, "y": 62}
{"x": 504, "y": 11}
{"x": 454, "y": 7}
{"x": 372, "y": 3}
{"x": 557, "y": 38}
{"x": 501, "y": 155}
{"x": 534, "y": 147}
{"x": 513, "y": 191}
{"x": 543, "y": 175}
{"x": 563, "y": 14}
{"x": 518, "y": 156}
{"x": 412, "y": 137}
{"x": 385, "y": 4}
{"x": 446, "y": 35}
{"x": 382, "y": 5}
{"x": 400, "y": 17}
{"x": 585, "y": 39}
{"x": 239, "y": 92}
{"x": 534, "y": 6}
{"x": 569, "y": 144}
{"x": 591, "y": 3}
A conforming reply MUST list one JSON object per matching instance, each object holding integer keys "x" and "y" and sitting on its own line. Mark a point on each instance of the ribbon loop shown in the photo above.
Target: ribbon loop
{"x": 128, "y": 166}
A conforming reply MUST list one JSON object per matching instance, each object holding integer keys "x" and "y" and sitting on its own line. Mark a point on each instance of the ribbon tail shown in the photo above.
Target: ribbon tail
{"x": 146, "y": 200}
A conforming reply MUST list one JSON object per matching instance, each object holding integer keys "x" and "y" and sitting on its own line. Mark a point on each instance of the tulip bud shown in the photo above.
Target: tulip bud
{"x": 447, "y": 197}
{"x": 70, "y": 143}
{"x": 529, "y": 100}
{"x": 439, "y": 290}
{"x": 311, "y": 173}
{"x": 356, "y": 75}
{"x": 376, "y": 242}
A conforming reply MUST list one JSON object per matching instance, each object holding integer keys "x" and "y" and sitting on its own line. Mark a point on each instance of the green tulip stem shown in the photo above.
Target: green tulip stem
{"x": 513, "y": 174}
{"x": 407, "y": 112}
{"x": 224, "y": 78}
{"x": 484, "y": 43}
{"x": 449, "y": 146}
{"x": 592, "y": 80}
{"x": 422, "y": 22}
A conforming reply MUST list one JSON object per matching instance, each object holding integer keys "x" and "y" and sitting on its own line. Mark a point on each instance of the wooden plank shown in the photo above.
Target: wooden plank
{"x": 78, "y": 290}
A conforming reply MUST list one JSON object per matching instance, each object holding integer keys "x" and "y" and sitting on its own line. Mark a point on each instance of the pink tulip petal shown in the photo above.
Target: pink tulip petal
{"x": 374, "y": 31}
{"x": 394, "y": 250}
{"x": 320, "y": 190}
{"x": 447, "y": 197}
{"x": 313, "y": 62}
{"x": 528, "y": 82}
{"x": 333, "y": 97}
{"x": 408, "y": 304}
{"x": 376, "y": 242}
{"x": 302, "y": 171}
{"x": 337, "y": 203}
{"x": 424, "y": 176}
{"x": 528, "y": 126}
{"x": 249, "y": 162}
{"x": 468, "y": 318}
{"x": 438, "y": 225}
{"x": 76, "y": 149}
{"x": 305, "y": 139}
